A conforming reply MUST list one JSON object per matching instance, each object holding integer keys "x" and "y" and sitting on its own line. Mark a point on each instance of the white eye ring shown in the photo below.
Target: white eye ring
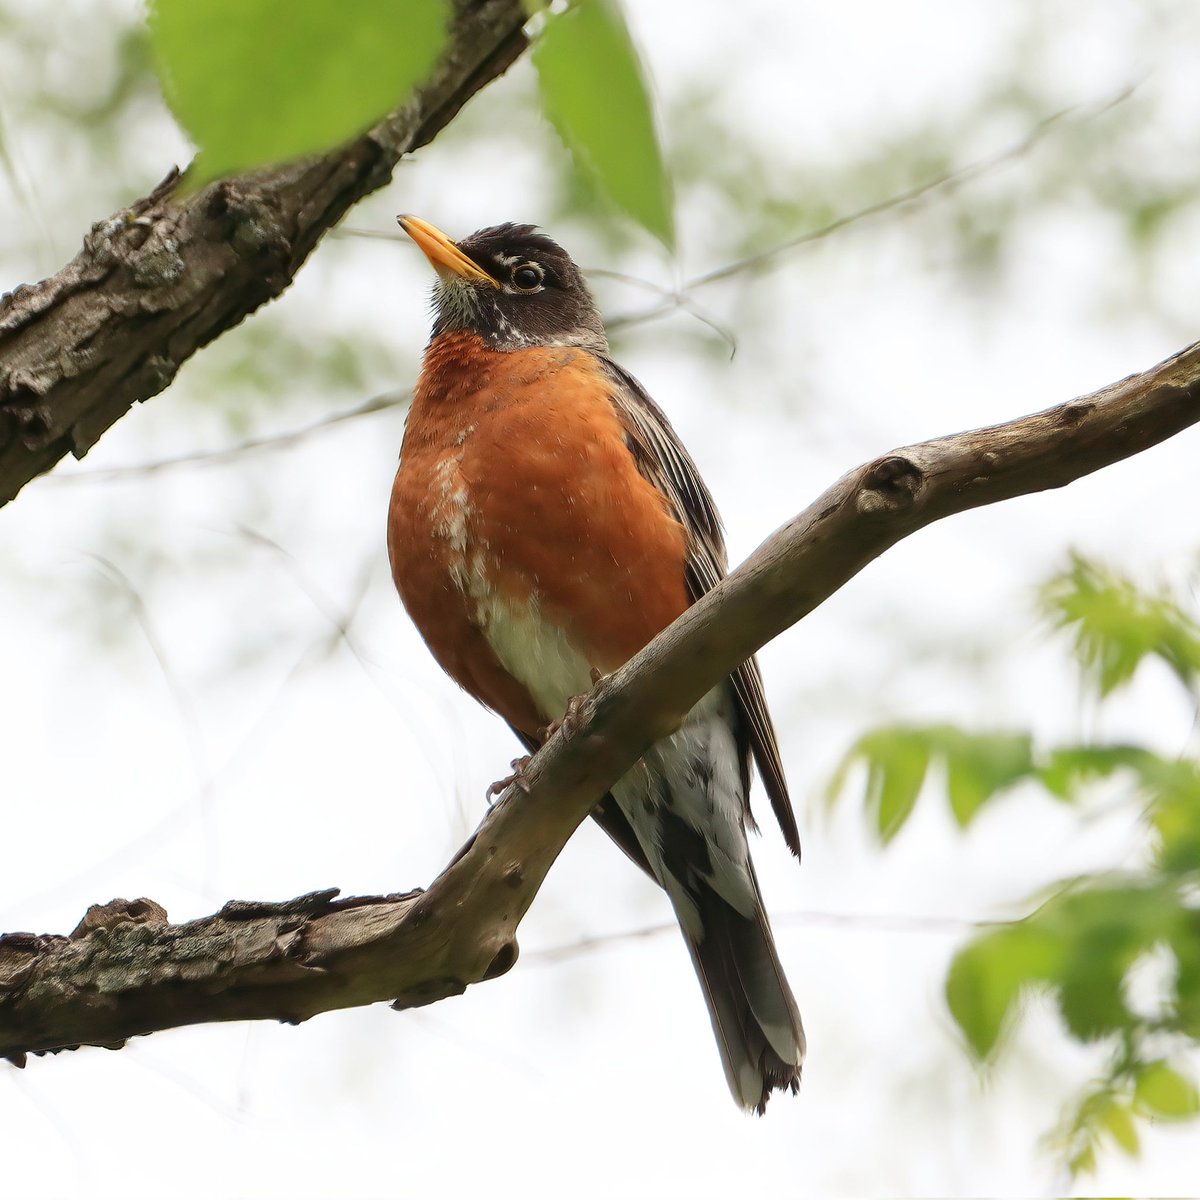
{"x": 528, "y": 277}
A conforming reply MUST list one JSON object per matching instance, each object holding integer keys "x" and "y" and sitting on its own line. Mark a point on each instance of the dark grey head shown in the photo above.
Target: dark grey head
{"x": 512, "y": 285}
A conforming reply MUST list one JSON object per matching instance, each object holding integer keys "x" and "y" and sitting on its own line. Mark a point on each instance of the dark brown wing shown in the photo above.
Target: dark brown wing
{"x": 662, "y": 459}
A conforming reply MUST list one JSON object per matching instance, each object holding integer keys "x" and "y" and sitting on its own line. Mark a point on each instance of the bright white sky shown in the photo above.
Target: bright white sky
{"x": 597, "y": 1075}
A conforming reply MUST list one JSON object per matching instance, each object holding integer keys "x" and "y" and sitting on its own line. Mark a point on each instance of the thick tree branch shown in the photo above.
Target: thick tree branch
{"x": 127, "y": 971}
{"x": 162, "y": 278}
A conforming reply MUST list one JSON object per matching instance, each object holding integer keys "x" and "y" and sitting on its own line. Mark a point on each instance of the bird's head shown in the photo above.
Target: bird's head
{"x": 512, "y": 285}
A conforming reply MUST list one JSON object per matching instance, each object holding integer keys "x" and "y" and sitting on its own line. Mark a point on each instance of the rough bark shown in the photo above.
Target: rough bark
{"x": 158, "y": 280}
{"x": 126, "y": 970}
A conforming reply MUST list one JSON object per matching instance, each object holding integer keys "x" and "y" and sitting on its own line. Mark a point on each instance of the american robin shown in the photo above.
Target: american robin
{"x": 546, "y": 522}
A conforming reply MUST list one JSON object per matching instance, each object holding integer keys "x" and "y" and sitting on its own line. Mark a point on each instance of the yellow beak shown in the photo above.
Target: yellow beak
{"x": 442, "y": 252}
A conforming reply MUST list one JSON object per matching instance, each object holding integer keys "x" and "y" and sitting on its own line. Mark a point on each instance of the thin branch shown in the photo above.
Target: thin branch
{"x": 862, "y": 922}
{"x": 948, "y": 180}
{"x": 674, "y": 299}
{"x": 159, "y": 280}
{"x": 127, "y": 971}
{"x": 189, "y": 721}
{"x": 339, "y": 621}
{"x": 268, "y": 441}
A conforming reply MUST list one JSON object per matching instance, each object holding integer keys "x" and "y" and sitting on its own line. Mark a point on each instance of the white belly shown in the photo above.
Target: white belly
{"x": 534, "y": 651}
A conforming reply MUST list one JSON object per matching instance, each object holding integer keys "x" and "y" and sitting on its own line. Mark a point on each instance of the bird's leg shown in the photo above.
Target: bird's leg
{"x": 570, "y": 721}
{"x": 517, "y": 777}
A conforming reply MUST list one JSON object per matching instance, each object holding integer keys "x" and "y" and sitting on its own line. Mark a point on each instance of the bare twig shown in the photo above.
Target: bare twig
{"x": 227, "y": 454}
{"x": 760, "y": 261}
{"x": 126, "y": 970}
{"x": 946, "y": 181}
{"x": 864, "y": 922}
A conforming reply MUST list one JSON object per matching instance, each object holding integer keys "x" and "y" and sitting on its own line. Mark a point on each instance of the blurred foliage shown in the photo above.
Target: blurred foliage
{"x": 239, "y": 379}
{"x": 260, "y": 81}
{"x": 586, "y": 53}
{"x": 1083, "y": 943}
{"x": 1116, "y": 626}
{"x": 898, "y": 758}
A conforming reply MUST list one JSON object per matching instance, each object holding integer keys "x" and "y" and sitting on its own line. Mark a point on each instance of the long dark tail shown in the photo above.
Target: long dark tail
{"x": 753, "y": 1011}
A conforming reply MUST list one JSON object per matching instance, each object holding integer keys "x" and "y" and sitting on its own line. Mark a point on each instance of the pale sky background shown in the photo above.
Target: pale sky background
{"x": 271, "y": 758}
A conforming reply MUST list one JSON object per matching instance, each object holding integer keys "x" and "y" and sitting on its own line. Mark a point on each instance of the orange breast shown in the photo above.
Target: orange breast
{"x": 517, "y": 493}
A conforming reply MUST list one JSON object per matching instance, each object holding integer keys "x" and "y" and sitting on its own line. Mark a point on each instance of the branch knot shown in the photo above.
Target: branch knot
{"x": 889, "y": 485}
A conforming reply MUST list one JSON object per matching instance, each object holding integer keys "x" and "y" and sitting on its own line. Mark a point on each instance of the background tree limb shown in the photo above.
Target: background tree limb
{"x": 126, "y": 970}
{"x": 160, "y": 279}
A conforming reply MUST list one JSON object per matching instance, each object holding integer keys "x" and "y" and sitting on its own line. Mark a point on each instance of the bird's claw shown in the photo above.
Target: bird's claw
{"x": 569, "y": 722}
{"x": 518, "y": 778}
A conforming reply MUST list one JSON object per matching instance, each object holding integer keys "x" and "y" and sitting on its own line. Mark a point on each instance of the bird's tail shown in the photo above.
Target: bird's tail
{"x": 753, "y": 1011}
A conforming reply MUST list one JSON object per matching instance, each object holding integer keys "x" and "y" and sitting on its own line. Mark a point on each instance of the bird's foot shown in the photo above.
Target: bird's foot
{"x": 571, "y": 720}
{"x": 518, "y": 778}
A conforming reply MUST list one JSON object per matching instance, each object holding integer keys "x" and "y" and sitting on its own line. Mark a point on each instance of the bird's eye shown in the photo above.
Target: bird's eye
{"x": 527, "y": 277}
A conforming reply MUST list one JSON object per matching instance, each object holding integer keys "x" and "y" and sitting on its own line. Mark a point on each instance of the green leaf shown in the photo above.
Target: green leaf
{"x": 260, "y": 81}
{"x": 1083, "y": 1160}
{"x": 1068, "y": 768}
{"x": 1164, "y": 1092}
{"x": 1084, "y": 1122}
{"x": 1116, "y": 625}
{"x": 1118, "y": 1121}
{"x": 1173, "y": 788}
{"x": 1104, "y": 930}
{"x": 978, "y": 766}
{"x": 988, "y": 975}
{"x": 897, "y": 760}
{"x": 1170, "y": 785}
{"x": 595, "y": 93}
{"x": 1185, "y": 942}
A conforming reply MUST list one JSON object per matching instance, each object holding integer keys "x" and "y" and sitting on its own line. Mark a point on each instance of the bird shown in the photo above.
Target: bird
{"x": 545, "y": 523}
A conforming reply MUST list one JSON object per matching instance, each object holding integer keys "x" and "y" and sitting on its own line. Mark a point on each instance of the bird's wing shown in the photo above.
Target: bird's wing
{"x": 662, "y": 459}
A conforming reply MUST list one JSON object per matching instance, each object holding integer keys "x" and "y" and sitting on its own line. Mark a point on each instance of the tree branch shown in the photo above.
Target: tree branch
{"x": 126, "y": 971}
{"x": 162, "y": 278}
